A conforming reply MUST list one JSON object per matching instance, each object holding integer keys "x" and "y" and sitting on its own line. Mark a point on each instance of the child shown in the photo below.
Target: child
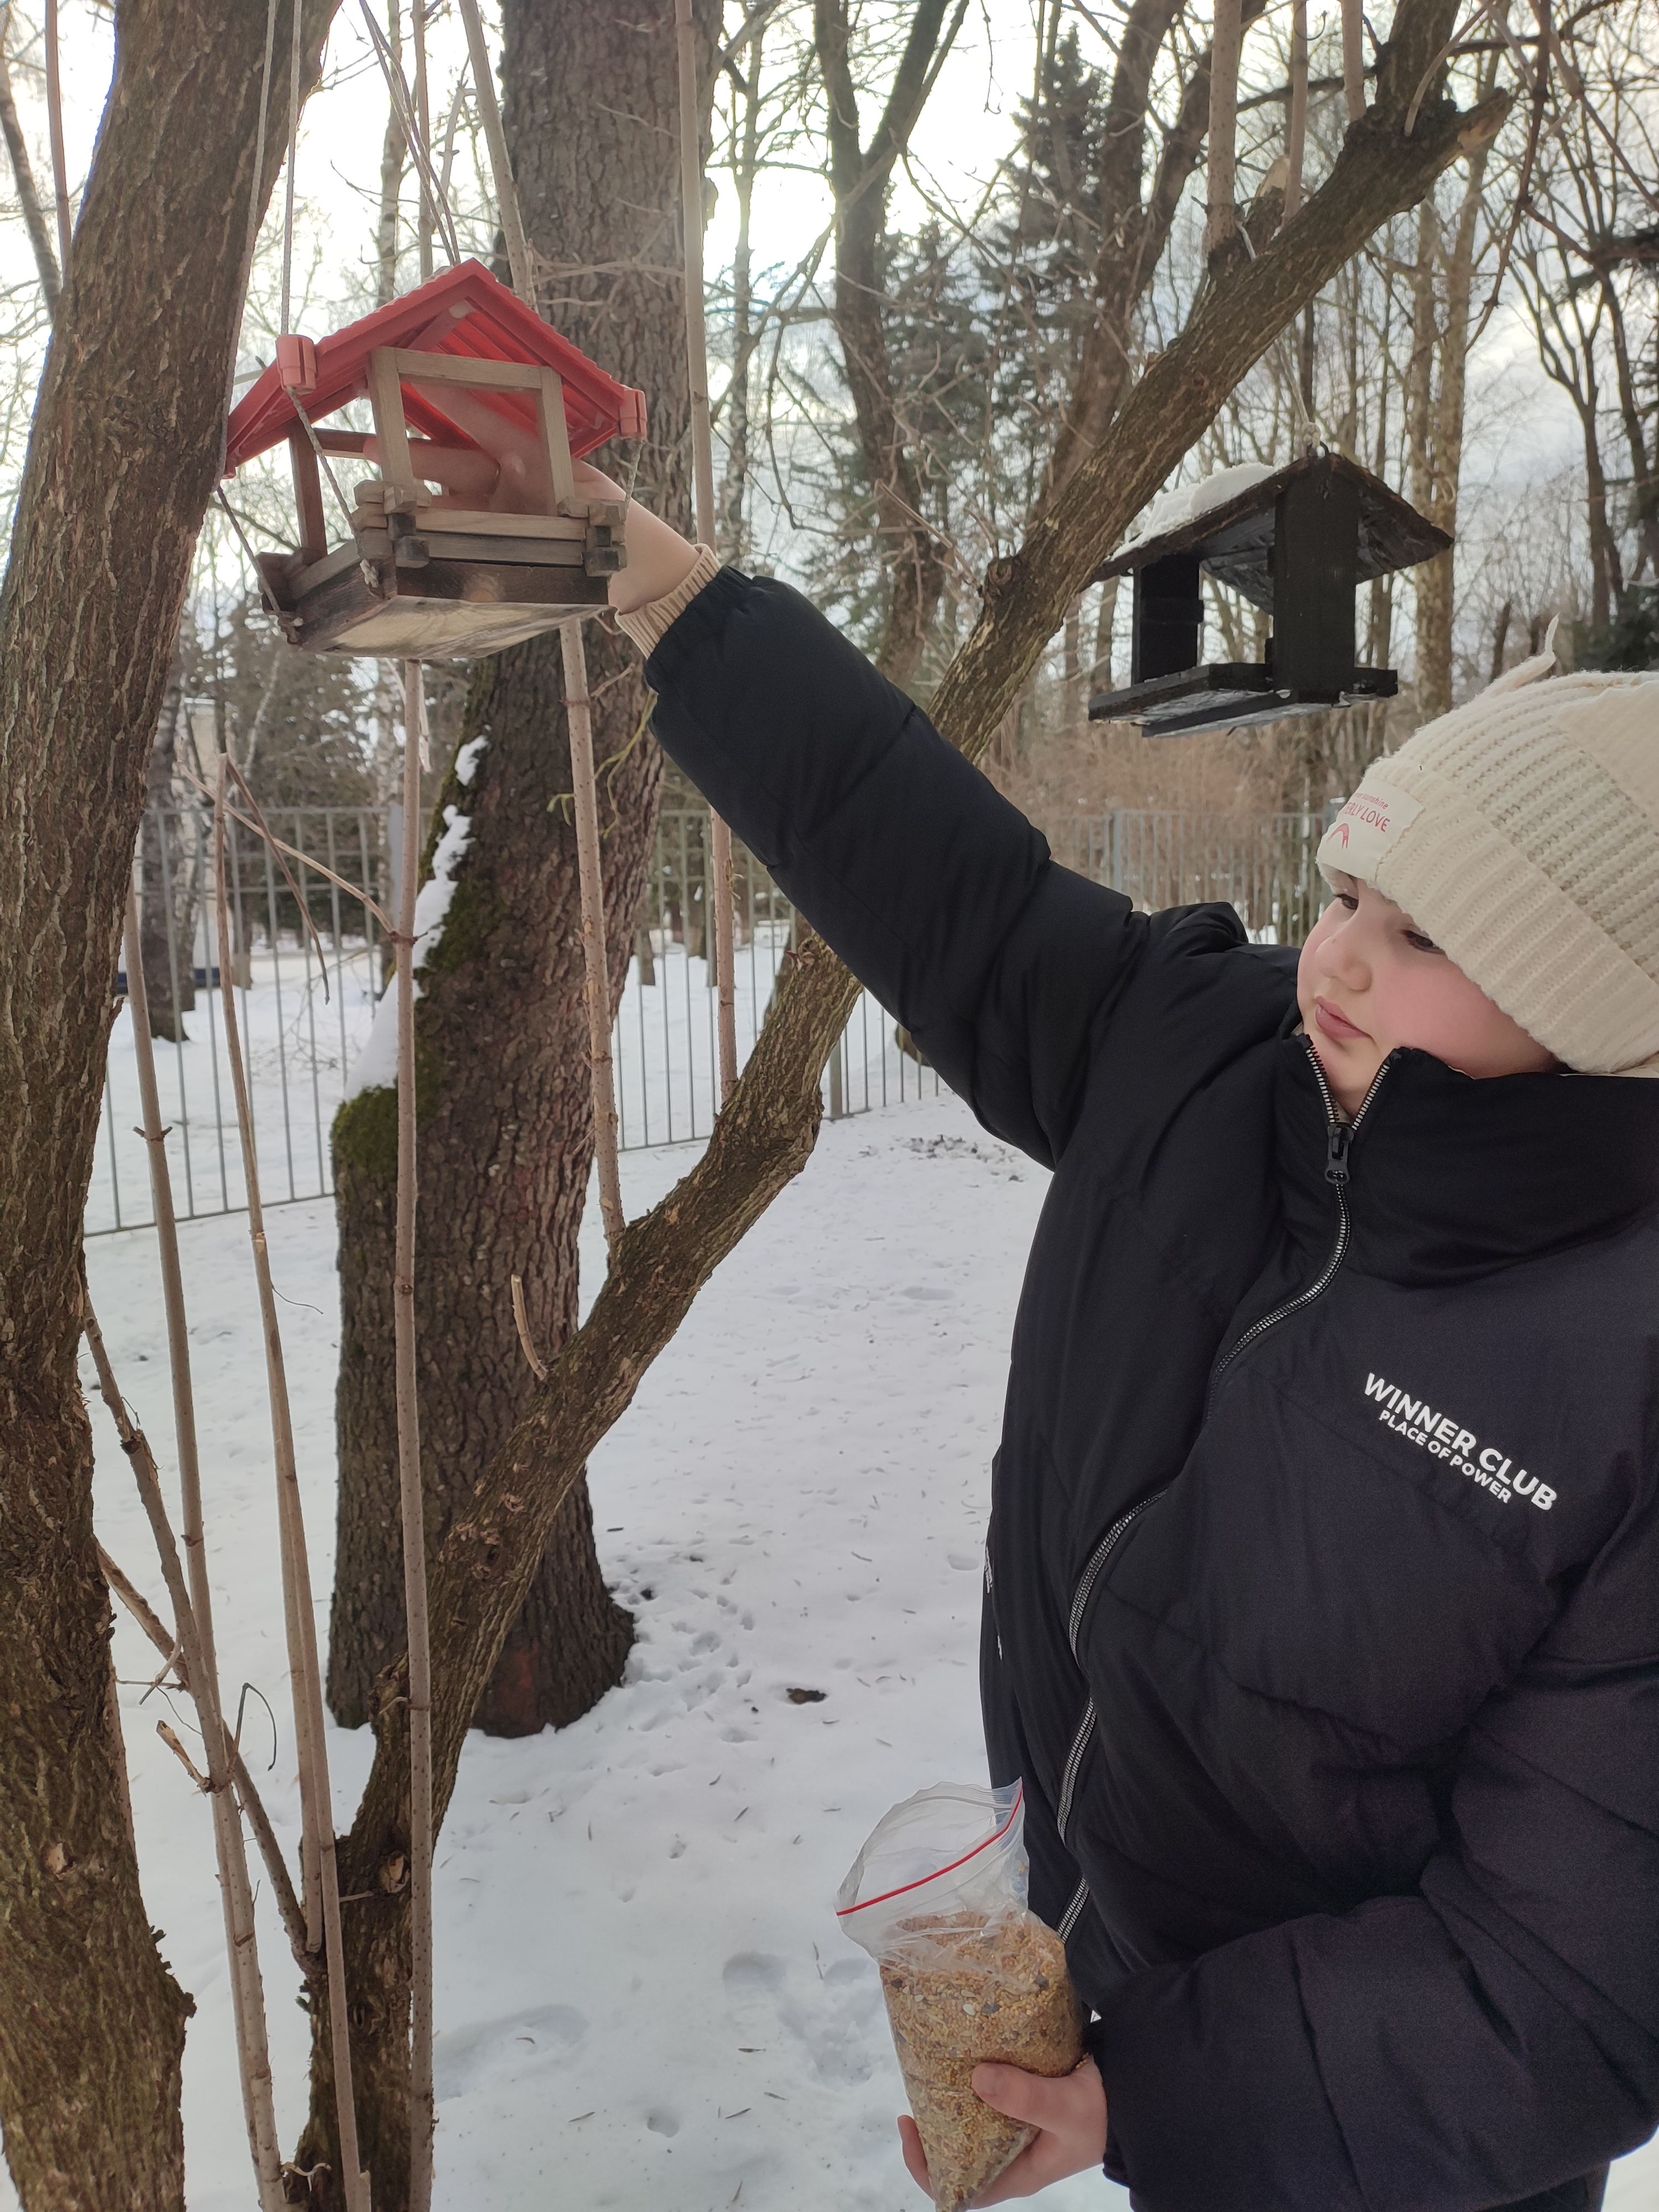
{"x": 1322, "y": 1611}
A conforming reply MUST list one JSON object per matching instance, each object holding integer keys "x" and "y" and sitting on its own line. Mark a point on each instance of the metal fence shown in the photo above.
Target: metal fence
{"x": 301, "y": 1041}
{"x": 1262, "y": 864}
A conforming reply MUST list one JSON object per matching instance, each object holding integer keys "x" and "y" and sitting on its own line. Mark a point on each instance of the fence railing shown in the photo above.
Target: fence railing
{"x": 299, "y": 1042}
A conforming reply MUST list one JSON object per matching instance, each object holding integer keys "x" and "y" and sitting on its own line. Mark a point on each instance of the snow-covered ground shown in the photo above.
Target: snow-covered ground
{"x": 643, "y": 2001}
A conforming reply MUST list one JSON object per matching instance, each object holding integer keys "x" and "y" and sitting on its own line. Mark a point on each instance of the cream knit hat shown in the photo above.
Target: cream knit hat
{"x": 1521, "y": 832}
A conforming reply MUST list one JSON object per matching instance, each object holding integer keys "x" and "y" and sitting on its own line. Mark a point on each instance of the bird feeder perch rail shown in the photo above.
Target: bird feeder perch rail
{"x": 1298, "y": 543}
{"x": 472, "y": 535}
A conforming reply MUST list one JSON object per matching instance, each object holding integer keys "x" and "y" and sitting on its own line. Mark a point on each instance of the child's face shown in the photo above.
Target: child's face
{"x": 1370, "y": 981}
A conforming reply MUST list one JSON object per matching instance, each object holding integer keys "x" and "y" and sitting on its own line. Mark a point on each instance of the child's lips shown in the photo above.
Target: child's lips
{"x": 1335, "y": 1023}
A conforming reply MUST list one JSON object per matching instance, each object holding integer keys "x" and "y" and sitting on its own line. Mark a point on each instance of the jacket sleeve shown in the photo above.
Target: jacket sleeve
{"x": 940, "y": 896}
{"x": 1474, "y": 2044}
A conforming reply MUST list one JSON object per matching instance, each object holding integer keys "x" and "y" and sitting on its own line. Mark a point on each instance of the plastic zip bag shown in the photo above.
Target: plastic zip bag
{"x": 937, "y": 1896}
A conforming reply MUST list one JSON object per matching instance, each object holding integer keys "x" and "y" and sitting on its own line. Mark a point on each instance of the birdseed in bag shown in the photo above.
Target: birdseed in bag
{"x": 971, "y": 1975}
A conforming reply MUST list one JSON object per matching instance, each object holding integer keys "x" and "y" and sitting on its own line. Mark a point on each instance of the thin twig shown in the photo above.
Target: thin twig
{"x": 282, "y": 1882}
{"x": 537, "y": 1367}
{"x": 322, "y": 1890}
{"x": 422, "y": 2109}
{"x": 138, "y": 1605}
{"x": 261, "y": 829}
{"x": 183, "y": 1758}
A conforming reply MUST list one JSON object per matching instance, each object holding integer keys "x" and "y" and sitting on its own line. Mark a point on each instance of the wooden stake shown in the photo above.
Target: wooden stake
{"x": 579, "y": 711}
{"x": 1296, "y": 135}
{"x": 316, "y": 1802}
{"x": 507, "y": 194}
{"x": 412, "y": 1495}
{"x": 55, "y": 134}
{"x": 192, "y": 1607}
{"x": 702, "y": 478}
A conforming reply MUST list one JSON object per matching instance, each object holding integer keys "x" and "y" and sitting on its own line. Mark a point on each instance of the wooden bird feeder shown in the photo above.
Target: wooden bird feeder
{"x": 472, "y": 535}
{"x": 1298, "y": 543}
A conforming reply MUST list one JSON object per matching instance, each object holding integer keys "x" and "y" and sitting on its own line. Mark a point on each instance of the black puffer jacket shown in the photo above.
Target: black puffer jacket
{"x": 1322, "y": 1613}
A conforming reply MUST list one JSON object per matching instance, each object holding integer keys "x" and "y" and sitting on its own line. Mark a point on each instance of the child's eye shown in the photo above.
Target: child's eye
{"x": 1349, "y": 900}
{"x": 1419, "y": 943}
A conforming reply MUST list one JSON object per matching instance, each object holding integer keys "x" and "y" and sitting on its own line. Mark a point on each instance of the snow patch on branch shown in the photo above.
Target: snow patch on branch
{"x": 466, "y": 761}
{"x": 375, "y": 1067}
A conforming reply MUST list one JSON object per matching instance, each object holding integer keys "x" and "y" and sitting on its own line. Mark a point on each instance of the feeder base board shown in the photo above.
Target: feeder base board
{"x": 441, "y": 611}
{"x": 1229, "y": 695}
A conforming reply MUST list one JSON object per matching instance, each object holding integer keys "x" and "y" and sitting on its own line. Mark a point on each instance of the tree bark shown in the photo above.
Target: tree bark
{"x": 484, "y": 1569}
{"x": 505, "y": 1138}
{"x": 121, "y": 462}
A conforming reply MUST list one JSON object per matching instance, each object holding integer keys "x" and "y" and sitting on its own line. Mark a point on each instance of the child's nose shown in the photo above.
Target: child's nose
{"x": 1350, "y": 955}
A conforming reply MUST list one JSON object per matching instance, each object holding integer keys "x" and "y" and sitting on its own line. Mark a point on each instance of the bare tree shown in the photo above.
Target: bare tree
{"x": 91, "y": 2021}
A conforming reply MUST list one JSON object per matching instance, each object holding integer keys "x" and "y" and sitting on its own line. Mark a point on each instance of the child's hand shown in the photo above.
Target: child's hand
{"x": 657, "y": 557}
{"x": 1070, "y": 2114}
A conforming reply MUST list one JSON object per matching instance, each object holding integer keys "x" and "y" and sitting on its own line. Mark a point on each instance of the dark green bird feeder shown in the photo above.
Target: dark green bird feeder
{"x": 1298, "y": 543}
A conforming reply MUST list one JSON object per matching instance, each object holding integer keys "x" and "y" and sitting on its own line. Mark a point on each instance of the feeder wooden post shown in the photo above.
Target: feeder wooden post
{"x": 720, "y": 893}
{"x": 412, "y": 1495}
{"x": 579, "y": 714}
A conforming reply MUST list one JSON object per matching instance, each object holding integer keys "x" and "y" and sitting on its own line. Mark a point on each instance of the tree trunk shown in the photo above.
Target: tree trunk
{"x": 506, "y": 1137}
{"x": 482, "y": 1573}
{"x": 121, "y": 463}
{"x": 1438, "y": 426}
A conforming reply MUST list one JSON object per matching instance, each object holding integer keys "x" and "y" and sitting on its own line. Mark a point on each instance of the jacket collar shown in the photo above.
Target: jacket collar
{"x": 1450, "y": 1178}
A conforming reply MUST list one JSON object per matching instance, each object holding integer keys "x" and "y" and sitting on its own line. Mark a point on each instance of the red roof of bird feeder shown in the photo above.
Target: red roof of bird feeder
{"x": 464, "y": 311}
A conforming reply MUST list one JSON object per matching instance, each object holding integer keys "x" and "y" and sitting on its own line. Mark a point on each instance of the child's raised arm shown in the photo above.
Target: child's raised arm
{"x": 940, "y": 896}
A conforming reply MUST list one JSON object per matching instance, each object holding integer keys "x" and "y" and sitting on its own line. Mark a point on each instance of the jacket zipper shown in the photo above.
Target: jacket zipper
{"x": 1339, "y": 1135}
{"x": 1098, "y": 1559}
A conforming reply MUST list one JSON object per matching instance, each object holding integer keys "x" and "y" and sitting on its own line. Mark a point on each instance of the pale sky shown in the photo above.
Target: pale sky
{"x": 965, "y": 132}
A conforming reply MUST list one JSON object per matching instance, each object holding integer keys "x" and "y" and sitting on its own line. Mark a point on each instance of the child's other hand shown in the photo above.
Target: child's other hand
{"x": 1070, "y": 2115}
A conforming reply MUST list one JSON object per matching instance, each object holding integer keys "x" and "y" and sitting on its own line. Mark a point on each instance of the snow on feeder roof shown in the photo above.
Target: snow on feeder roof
{"x": 499, "y": 404}
{"x": 1298, "y": 542}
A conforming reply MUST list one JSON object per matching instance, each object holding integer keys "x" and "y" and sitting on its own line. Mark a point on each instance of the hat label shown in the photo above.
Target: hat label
{"x": 1372, "y": 822}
